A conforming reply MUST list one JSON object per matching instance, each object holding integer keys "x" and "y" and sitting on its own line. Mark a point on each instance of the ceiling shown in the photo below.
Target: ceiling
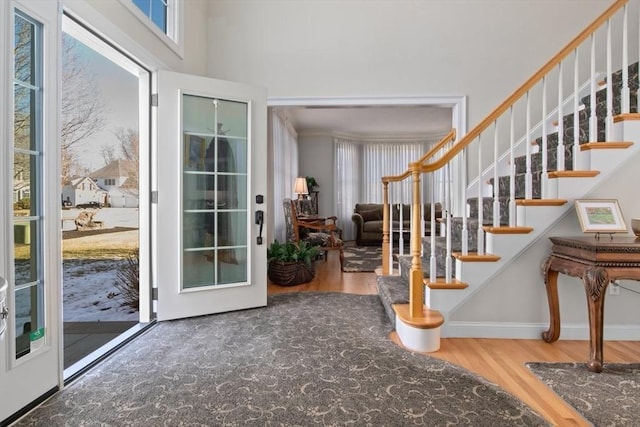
{"x": 371, "y": 120}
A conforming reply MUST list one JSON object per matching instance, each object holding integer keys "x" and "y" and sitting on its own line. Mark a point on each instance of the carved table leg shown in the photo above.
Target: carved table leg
{"x": 551, "y": 283}
{"x": 595, "y": 281}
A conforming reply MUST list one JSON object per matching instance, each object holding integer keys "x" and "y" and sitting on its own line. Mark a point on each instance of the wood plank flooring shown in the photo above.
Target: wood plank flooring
{"x": 501, "y": 361}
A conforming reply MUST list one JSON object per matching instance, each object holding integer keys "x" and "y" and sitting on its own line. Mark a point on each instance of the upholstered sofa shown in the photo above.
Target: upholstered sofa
{"x": 367, "y": 220}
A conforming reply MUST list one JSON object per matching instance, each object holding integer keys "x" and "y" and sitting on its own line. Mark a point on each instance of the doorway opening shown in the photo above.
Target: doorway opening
{"x": 104, "y": 146}
{"x": 318, "y": 122}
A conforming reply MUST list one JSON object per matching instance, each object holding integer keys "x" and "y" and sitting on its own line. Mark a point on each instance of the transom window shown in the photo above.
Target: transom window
{"x": 162, "y": 17}
{"x": 155, "y": 10}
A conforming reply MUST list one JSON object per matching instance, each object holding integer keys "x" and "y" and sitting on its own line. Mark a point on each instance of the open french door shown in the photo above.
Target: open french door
{"x": 211, "y": 196}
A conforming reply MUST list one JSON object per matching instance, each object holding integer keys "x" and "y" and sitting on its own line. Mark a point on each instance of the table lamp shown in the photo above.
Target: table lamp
{"x": 300, "y": 187}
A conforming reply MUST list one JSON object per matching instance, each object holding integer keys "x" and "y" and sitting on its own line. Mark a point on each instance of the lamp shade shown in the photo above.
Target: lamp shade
{"x": 300, "y": 186}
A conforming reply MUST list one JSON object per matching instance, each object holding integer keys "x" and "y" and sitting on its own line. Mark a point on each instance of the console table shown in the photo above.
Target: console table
{"x": 597, "y": 262}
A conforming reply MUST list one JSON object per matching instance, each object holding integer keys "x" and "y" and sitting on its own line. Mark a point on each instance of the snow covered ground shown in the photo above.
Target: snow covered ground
{"x": 89, "y": 291}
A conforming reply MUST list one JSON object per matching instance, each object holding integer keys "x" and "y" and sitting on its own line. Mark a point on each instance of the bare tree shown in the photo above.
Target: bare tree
{"x": 82, "y": 107}
{"x": 108, "y": 153}
{"x": 129, "y": 144}
{"x": 24, "y": 97}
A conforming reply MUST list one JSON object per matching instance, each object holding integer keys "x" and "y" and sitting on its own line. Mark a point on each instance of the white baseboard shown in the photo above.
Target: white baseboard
{"x": 453, "y": 329}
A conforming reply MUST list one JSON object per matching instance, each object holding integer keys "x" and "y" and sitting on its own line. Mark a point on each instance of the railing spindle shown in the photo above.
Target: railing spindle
{"x": 528, "y": 182}
{"x": 560, "y": 128}
{"x": 512, "y": 180}
{"x": 480, "y": 238}
{"x": 624, "y": 92}
{"x": 465, "y": 231}
{"x": 545, "y": 132}
{"x": 576, "y": 110}
{"x": 448, "y": 266}
{"x": 593, "y": 119}
{"x": 608, "y": 127}
{"x": 432, "y": 239}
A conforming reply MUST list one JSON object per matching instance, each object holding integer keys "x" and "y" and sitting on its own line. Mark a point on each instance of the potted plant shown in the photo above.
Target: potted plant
{"x": 291, "y": 263}
{"x": 312, "y": 184}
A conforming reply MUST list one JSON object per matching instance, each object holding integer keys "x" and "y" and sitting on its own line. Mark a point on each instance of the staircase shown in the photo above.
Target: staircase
{"x": 528, "y": 190}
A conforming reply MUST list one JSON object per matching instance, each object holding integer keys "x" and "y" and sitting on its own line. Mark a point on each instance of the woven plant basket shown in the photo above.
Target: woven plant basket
{"x": 290, "y": 273}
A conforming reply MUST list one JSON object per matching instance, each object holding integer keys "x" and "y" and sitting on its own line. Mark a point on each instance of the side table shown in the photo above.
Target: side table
{"x": 597, "y": 262}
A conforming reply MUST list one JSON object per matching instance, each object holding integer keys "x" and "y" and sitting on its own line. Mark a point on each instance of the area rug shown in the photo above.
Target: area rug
{"x": 362, "y": 258}
{"x": 307, "y": 359}
{"x": 610, "y": 398}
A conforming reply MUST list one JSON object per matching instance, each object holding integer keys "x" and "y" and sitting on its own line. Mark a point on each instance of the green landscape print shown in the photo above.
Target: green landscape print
{"x": 600, "y": 215}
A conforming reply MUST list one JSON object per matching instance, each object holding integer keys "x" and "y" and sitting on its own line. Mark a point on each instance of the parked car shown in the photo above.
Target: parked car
{"x": 66, "y": 203}
{"x": 89, "y": 205}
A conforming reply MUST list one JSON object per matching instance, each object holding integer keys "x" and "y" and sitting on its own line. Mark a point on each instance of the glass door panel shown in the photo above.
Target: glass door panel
{"x": 214, "y": 192}
{"x": 27, "y": 194}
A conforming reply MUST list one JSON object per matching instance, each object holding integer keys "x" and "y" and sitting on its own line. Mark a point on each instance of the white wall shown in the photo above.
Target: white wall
{"x": 316, "y": 160}
{"x": 391, "y": 48}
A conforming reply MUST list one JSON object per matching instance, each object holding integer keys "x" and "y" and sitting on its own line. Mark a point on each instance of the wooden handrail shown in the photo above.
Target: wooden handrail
{"x": 528, "y": 85}
{"x": 396, "y": 178}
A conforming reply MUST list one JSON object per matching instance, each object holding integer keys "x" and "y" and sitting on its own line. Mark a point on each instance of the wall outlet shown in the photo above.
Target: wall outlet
{"x": 614, "y": 288}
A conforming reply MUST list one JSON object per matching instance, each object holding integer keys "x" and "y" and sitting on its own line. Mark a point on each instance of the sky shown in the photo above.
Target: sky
{"x": 119, "y": 89}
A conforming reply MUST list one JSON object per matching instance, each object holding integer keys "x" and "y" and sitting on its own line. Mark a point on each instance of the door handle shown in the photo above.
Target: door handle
{"x": 259, "y": 221}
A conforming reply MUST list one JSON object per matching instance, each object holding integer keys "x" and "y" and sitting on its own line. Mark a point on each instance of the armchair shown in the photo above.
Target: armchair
{"x": 321, "y": 232}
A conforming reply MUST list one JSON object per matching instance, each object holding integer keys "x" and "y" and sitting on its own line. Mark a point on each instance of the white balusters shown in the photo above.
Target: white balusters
{"x": 465, "y": 232}
{"x": 512, "y": 173}
{"x": 609, "y": 117}
{"x": 448, "y": 266}
{"x": 576, "y": 110}
{"x": 624, "y": 92}
{"x": 432, "y": 239}
{"x": 560, "y": 127}
{"x": 544, "y": 181}
{"x": 593, "y": 119}
{"x": 528, "y": 178}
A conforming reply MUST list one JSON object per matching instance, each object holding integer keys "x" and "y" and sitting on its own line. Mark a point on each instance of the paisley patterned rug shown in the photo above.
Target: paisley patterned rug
{"x": 307, "y": 359}
{"x": 610, "y": 398}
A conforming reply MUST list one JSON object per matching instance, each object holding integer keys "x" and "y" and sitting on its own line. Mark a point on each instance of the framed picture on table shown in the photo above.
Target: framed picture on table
{"x": 600, "y": 216}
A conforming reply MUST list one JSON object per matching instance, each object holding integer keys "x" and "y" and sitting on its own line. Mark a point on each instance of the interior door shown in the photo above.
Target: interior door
{"x": 211, "y": 188}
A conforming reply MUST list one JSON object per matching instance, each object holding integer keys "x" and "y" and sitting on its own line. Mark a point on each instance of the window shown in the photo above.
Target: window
{"x": 28, "y": 183}
{"x": 155, "y": 10}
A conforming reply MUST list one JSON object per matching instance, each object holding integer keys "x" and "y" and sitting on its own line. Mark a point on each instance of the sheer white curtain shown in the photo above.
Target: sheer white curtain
{"x": 360, "y": 165}
{"x": 347, "y": 182}
{"x": 385, "y": 159}
{"x": 285, "y": 167}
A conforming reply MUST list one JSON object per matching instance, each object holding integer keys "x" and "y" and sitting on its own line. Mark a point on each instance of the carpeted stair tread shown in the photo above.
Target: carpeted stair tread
{"x": 392, "y": 290}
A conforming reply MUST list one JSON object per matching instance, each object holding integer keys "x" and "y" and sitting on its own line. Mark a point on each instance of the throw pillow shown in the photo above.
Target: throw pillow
{"x": 371, "y": 215}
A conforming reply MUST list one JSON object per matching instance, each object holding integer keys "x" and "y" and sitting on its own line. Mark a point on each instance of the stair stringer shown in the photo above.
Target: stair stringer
{"x": 511, "y": 246}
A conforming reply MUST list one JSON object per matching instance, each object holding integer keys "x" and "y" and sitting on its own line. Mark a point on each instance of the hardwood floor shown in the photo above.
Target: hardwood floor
{"x": 501, "y": 361}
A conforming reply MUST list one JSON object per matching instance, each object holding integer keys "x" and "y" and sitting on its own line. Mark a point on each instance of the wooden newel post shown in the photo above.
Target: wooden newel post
{"x": 416, "y": 276}
{"x": 385, "y": 229}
